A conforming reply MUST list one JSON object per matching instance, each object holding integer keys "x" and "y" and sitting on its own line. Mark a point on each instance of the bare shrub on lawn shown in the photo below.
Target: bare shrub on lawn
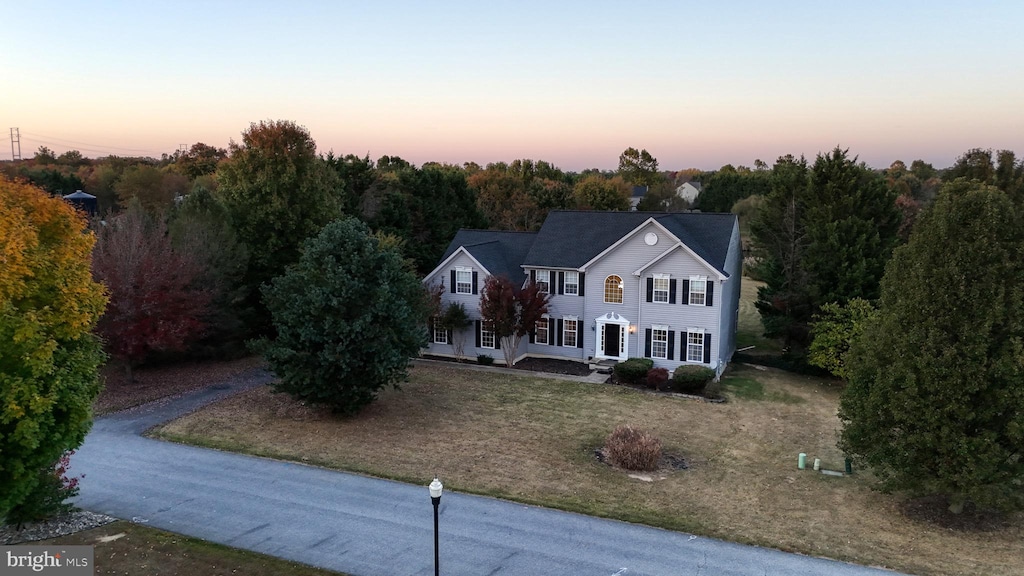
{"x": 633, "y": 449}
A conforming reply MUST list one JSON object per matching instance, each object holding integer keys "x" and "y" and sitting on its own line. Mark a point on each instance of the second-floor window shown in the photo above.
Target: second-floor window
{"x": 661, "y": 288}
{"x": 572, "y": 283}
{"x": 613, "y": 289}
{"x": 544, "y": 280}
{"x": 463, "y": 280}
{"x": 698, "y": 290}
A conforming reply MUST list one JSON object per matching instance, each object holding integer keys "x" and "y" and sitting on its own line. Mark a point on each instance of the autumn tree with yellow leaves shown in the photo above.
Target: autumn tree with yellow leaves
{"x": 49, "y": 359}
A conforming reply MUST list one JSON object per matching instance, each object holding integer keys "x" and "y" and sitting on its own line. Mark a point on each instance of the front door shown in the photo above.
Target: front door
{"x": 611, "y": 340}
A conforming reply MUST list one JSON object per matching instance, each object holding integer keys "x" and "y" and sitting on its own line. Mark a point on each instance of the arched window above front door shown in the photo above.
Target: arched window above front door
{"x": 613, "y": 289}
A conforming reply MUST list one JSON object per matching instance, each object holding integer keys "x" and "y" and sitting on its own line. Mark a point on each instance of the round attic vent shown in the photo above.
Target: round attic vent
{"x": 651, "y": 239}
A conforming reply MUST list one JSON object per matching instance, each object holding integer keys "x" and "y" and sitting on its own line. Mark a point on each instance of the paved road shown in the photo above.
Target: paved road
{"x": 369, "y": 527}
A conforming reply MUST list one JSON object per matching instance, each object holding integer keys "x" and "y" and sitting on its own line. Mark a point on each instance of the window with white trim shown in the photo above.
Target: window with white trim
{"x": 541, "y": 334}
{"x": 659, "y": 342}
{"x": 613, "y": 290}
{"x": 543, "y": 280}
{"x": 698, "y": 290}
{"x": 661, "y": 287}
{"x": 694, "y": 346}
{"x": 572, "y": 283}
{"x": 463, "y": 280}
{"x": 570, "y": 327}
{"x": 486, "y": 337}
{"x": 440, "y": 334}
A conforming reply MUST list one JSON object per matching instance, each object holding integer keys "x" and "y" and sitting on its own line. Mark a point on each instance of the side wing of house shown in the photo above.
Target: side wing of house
{"x": 462, "y": 278}
{"x": 730, "y": 310}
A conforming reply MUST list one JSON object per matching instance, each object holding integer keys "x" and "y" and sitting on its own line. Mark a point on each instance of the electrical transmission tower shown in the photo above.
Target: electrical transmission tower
{"x": 15, "y": 140}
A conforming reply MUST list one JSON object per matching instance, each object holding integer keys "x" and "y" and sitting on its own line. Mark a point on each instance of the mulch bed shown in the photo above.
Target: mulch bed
{"x": 549, "y": 365}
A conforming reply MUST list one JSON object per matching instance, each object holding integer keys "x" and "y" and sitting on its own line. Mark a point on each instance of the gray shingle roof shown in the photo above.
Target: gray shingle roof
{"x": 570, "y": 239}
{"x": 501, "y": 252}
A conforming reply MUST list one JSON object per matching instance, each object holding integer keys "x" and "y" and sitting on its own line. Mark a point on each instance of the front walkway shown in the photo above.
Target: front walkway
{"x": 368, "y": 527}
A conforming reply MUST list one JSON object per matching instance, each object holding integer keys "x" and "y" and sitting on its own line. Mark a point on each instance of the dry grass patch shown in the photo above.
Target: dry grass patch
{"x": 126, "y": 548}
{"x": 533, "y": 440}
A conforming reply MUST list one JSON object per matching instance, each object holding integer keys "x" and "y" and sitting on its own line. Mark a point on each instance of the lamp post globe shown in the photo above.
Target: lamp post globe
{"x": 436, "y": 488}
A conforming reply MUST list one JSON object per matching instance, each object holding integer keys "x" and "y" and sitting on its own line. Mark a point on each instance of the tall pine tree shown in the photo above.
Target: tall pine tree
{"x": 823, "y": 235}
{"x": 935, "y": 401}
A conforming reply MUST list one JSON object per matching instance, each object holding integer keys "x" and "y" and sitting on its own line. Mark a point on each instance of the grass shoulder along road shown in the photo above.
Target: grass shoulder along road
{"x": 127, "y": 548}
{"x": 532, "y": 440}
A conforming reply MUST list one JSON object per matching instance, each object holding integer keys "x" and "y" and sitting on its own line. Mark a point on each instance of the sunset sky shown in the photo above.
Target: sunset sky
{"x": 698, "y": 84}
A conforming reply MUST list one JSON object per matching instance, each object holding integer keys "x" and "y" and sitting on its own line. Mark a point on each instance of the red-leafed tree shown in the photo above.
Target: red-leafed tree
{"x": 156, "y": 303}
{"x": 511, "y": 312}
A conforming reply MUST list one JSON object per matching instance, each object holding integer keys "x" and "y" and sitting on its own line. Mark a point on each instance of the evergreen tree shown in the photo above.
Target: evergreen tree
{"x": 822, "y": 235}
{"x": 348, "y": 315}
{"x": 935, "y": 401}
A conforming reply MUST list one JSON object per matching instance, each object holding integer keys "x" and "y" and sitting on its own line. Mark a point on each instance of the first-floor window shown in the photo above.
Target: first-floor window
{"x": 541, "y": 335}
{"x": 694, "y": 346}
{"x": 569, "y": 329}
{"x": 659, "y": 342}
{"x": 486, "y": 337}
{"x": 544, "y": 280}
{"x": 440, "y": 334}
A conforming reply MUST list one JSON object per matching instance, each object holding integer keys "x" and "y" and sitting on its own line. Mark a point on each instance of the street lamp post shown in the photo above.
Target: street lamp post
{"x": 435, "y": 497}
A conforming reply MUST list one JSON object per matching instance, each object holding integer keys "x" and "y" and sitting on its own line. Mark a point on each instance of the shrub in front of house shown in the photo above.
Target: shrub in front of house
{"x": 633, "y": 449}
{"x": 691, "y": 379}
{"x": 632, "y": 371}
{"x": 656, "y": 378}
{"x": 485, "y": 360}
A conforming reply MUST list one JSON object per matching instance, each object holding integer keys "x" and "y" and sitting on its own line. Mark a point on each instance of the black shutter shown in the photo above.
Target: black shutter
{"x": 559, "y": 331}
{"x": 450, "y": 336}
{"x": 686, "y": 292}
{"x": 430, "y": 328}
{"x": 533, "y": 336}
{"x": 671, "y": 345}
{"x": 647, "y": 344}
{"x": 453, "y": 281}
{"x": 561, "y": 282}
{"x": 684, "y": 351}
{"x": 709, "y": 300}
{"x": 533, "y": 276}
{"x": 497, "y": 342}
{"x": 579, "y": 335}
{"x": 650, "y": 289}
{"x": 551, "y": 331}
{"x": 474, "y": 283}
{"x": 707, "y": 348}
{"x": 672, "y": 291}
{"x": 479, "y": 327}
{"x": 582, "y": 277}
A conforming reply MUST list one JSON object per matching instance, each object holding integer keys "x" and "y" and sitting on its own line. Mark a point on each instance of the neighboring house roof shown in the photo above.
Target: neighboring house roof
{"x": 500, "y": 252}
{"x": 570, "y": 239}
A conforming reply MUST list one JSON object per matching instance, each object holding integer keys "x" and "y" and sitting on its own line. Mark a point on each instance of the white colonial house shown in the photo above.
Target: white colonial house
{"x": 663, "y": 286}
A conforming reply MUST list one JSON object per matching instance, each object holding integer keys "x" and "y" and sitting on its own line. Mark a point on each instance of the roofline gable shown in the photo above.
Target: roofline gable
{"x": 444, "y": 263}
{"x": 627, "y": 236}
{"x": 721, "y": 275}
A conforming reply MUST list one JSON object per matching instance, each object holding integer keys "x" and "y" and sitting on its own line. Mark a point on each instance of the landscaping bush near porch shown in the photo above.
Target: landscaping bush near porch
{"x": 632, "y": 371}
